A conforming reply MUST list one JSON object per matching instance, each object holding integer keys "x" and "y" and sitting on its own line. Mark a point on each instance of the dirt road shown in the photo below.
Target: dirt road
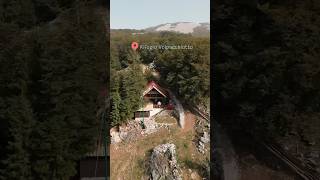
{"x": 179, "y": 108}
{"x": 226, "y": 150}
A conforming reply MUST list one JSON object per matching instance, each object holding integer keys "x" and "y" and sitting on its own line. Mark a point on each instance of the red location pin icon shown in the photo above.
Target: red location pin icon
{"x": 134, "y": 45}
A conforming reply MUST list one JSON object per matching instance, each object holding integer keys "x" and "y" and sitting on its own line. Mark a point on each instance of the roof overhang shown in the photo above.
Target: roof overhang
{"x": 153, "y": 85}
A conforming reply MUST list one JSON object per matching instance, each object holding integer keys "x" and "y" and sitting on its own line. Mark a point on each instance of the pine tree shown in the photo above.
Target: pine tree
{"x": 266, "y": 65}
{"x": 115, "y": 100}
{"x": 16, "y": 111}
{"x": 50, "y": 81}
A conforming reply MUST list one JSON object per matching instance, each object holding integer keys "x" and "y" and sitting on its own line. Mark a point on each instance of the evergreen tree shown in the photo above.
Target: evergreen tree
{"x": 50, "y": 81}
{"x": 132, "y": 84}
{"x": 16, "y": 111}
{"x": 266, "y": 65}
{"x": 184, "y": 71}
{"x": 115, "y": 100}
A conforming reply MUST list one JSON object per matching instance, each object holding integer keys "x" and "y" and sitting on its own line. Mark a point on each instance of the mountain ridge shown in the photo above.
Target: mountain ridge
{"x": 199, "y": 29}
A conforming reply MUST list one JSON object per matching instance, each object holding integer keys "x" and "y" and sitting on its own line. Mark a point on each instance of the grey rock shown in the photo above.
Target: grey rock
{"x": 123, "y": 135}
{"x": 193, "y": 175}
{"x": 163, "y": 163}
{"x": 204, "y": 140}
{"x": 201, "y": 144}
{"x": 115, "y": 137}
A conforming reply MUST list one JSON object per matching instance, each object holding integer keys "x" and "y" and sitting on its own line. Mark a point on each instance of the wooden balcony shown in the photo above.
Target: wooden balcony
{"x": 158, "y": 106}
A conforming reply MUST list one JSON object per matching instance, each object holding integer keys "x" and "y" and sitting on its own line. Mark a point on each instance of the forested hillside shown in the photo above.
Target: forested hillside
{"x": 186, "y": 72}
{"x": 53, "y": 59}
{"x": 267, "y": 69}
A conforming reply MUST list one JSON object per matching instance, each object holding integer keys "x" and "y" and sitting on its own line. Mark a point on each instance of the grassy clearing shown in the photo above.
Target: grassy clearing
{"x": 130, "y": 161}
{"x": 166, "y": 119}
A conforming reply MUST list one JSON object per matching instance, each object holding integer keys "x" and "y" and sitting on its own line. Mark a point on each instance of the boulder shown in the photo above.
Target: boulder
{"x": 163, "y": 163}
{"x": 194, "y": 175}
{"x": 115, "y": 138}
{"x": 206, "y": 135}
{"x": 150, "y": 124}
{"x": 123, "y": 135}
{"x": 204, "y": 140}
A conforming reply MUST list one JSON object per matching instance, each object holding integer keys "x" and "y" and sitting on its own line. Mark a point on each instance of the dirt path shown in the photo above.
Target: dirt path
{"x": 243, "y": 166}
{"x": 229, "y": 158}
{"x": 179, "y": 108}
{"x": 189, "y": 121}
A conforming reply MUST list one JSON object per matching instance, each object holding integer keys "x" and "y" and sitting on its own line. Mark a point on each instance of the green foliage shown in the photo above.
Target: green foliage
{"x": 128, "y": 85}
{"x": 20, "y": 13}
{"x": 50, "y": 81}
{"x": 16, "y": 114}
{"x": 188, "y": 71}
{"x": 184, "y": 71}
{"x": 266, "y": 66}
{"x": 115, "y": 99}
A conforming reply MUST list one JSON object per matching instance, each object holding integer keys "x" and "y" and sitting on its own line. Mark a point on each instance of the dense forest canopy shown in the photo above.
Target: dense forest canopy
{"x": 267, "y": 68}
{"x": 53, "y": 57}
{"x": 186, "y": 71}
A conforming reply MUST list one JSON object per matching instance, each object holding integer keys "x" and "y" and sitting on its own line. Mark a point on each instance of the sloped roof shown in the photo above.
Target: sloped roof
{"x": 153, "y": 85}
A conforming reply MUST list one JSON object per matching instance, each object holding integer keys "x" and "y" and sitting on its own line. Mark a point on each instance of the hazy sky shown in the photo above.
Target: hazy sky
{"x": 139, "y": 14}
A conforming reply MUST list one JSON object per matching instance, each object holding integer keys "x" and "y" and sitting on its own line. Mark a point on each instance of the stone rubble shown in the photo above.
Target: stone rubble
{"x": 163, "y": 163}
{"x": 133, "y": 129}
{"x": 126, "y": 133}
{"x": 204, "y": 139}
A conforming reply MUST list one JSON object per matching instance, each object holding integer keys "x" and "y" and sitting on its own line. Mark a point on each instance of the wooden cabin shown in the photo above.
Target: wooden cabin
{"x": 156, "y": 99}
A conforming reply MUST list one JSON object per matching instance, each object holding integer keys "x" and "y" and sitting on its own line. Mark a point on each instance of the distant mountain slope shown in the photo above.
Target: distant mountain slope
{"x": 197, "y": 29}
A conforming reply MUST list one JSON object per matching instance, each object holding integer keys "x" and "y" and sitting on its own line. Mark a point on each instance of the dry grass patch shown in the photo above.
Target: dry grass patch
{"x": 166, "y": 119}
{"x": 130, "y": 160}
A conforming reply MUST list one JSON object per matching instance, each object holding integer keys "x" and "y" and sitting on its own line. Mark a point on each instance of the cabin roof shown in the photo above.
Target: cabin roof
{"x": 153, "y": 85}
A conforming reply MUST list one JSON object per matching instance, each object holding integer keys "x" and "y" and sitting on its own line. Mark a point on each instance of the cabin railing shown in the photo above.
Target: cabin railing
{"x": 158, "y": 106}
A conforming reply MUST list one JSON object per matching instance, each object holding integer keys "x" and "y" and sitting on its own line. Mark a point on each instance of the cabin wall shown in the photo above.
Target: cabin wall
{"x": 152, "y": 113}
